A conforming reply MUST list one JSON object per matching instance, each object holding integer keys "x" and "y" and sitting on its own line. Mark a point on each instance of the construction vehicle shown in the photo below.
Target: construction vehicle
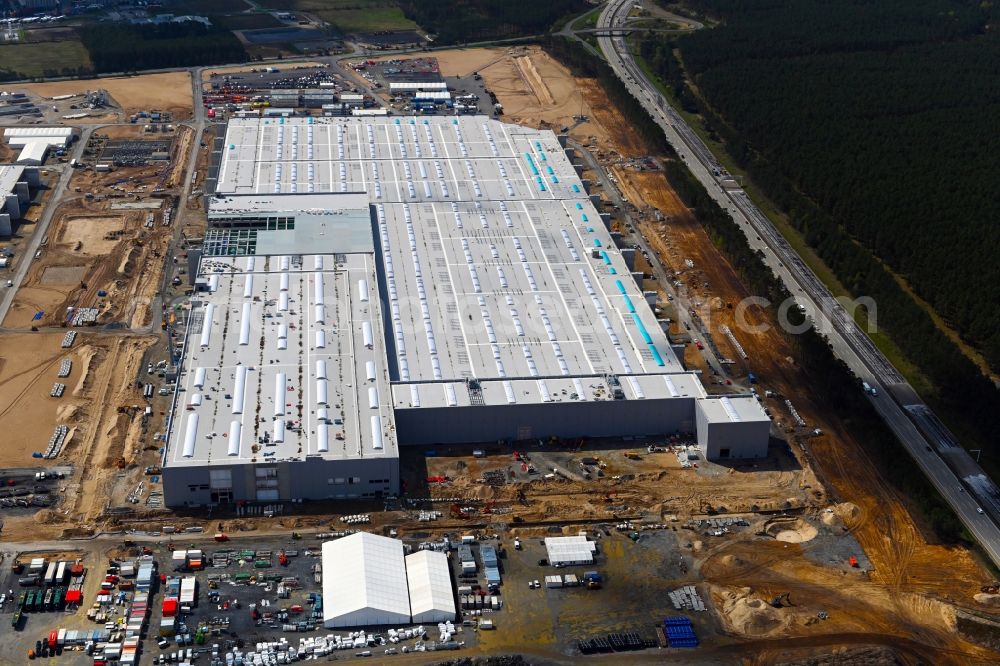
{"x": 782, "y": 600}
{"x": 458, "y": 512}
{"x": 853, "y": 561}
{"x": 282, "y": 558}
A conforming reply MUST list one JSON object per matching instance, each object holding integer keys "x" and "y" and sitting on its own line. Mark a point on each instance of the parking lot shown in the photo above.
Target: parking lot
{"x": 259, "y": 594}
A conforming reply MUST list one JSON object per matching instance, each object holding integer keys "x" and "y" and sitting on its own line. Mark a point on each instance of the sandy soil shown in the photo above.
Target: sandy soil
{"x": 100, "y": 392}
{"x": 89, "y": 235}
{"x": 27, "y": 373}
{"x": 126, "y": 267}
{"x": 791, "y": 530}
{"x": 537, "y": 91}
{"x": 170, "y": 91}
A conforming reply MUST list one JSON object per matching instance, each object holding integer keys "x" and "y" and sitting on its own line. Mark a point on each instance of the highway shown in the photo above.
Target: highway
{"x": 949, "y": 467}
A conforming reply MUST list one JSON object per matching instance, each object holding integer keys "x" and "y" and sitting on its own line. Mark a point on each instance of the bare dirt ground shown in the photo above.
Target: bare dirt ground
{"x": 537, "y": 91}
{"x": 91, "y": 250}
{"x": 169, "y": 91}
{"x": 92, "y": 247}
{"x": 100, "y": 393}
{"x": 28, "y": 371}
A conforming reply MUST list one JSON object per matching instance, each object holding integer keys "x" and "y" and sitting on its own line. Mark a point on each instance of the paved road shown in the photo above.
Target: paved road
{"x": 42, "y": 227}
{"x": 948, "y": 466}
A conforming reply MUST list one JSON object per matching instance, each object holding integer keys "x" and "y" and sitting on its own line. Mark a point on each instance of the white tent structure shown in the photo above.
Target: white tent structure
{"x": 566, "y": 551}
{"x": 364, "y": 582}
{"x": 429, "y": 579}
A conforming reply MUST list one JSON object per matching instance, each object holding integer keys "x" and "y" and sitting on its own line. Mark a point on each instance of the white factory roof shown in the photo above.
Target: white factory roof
{"x": 45, "y": 141}
{"x": 38, "y": 132}
{"x": 10, "y": 175}
{"x": 364, "y": 582}
{"x": 496, "y": 264}
{"x": 570, "y": 550}
{"x": 417, "y": 85}
{"x": 733, "y": 409}
{"x": 283, "y": 360}
{"x": 429, "y": 580}
{"x": 33, "y": 153}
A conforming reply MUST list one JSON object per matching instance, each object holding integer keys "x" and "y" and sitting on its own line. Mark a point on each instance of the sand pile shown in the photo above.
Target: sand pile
{"x": 66, "y": 412}
{"x": 790, "y": 530}
{"x": 987, "y": 599}
{"x": 86, "y": 354}
{"x": 846, "y": 511}
{"x": 750, "y": 616}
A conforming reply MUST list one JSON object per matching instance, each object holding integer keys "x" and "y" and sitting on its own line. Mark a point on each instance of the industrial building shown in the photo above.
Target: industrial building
{"x": 465, "y": 260}
{"x": 368, "y": 582}
{"x": 17, "y": 183}
{"x": 283, "y": 386}
{"x": 35, "y": 142}
{"x": 731, "y": 428}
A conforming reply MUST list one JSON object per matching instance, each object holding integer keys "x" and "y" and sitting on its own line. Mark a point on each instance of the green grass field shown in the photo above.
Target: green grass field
{"x": 36, "y": 59}
{"x": 351, "y": 15}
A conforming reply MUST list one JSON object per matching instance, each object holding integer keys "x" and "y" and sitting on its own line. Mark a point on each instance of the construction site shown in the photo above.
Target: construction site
{"x": 802, "y": 554}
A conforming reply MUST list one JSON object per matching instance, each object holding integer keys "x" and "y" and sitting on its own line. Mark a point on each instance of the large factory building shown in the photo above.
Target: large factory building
{"x": 370, "y": 283}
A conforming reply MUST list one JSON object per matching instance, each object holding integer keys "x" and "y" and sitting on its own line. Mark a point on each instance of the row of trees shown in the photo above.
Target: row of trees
{"x": 882, "y": 152}
{"x": 462, "y": 21}
{"x": 126, "y": 48}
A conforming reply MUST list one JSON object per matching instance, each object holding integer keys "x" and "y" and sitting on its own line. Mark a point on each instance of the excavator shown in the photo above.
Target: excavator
{"x": 782, "y": 600}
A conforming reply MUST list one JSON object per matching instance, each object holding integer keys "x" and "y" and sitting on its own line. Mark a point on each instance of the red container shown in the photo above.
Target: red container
{"x": 169, "y": 607}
